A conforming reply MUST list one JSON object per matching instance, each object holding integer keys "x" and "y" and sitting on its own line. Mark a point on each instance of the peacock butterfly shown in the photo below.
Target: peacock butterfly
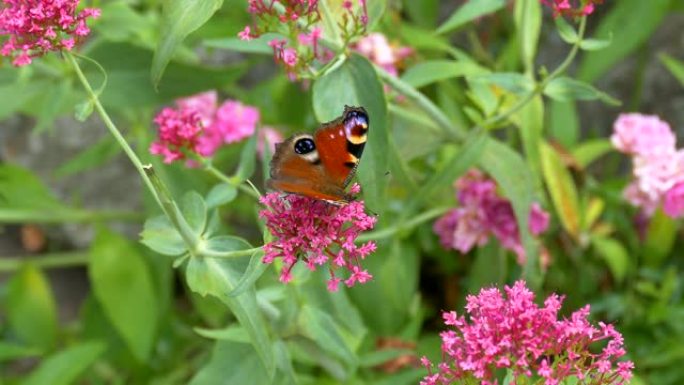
{"x": 321, "y": 165}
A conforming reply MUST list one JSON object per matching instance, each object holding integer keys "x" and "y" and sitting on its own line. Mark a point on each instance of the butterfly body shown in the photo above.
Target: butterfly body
{"x": 321, "y": 165}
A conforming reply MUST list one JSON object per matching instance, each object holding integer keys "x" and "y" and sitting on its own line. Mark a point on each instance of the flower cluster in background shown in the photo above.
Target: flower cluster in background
{"x": 513, "y": 332}
{"x": 300, "y": 19}
{"x": 377, "y": 49}
{"x": 34, "y": 28}
{"x": 571, "y": 8}
{"x": 658, "y": 167}
{"x": 483, "y": 213}
{"x": 200, "y": 126}
{"x": 317, "y": 233}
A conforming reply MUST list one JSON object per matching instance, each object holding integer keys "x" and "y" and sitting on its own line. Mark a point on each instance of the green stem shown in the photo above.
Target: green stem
{"x": 53, "y": 260}
{"x": 60, "y": 215}
{"x": 249, "y": 190}
{"x": 540, "y": 87}
{"x": 228, "y": 254}
{"x": 417, "y": 220}
{"x": 422, "y": 101}
{"x": 111, "y": 126}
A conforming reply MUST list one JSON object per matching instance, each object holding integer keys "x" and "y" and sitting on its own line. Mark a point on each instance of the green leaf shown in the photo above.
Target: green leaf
{"x": 247, "y": 161}
{"x": 241, "y": 360}
{"x": 596, "y": 44}
{"x": 218, "y": 277}
{"x": 95, "y": 155}
{"x": 632, "y": 31}
{"x": 562, "y": 190}
{"x": 455, "y": 166}
{"x": 31, "y": 309}
{"x": 587, "y": 152}
{"x": 220, "y": 195}
{"x": 9, "y": 351}
{"x": 528, "y": 19}
{"x": 566, "y": 31}
{"x": 355, "y": 83}
{"x": 224, "y": 243}
{"x": 19, "y": 188}
{"x": 257, "y": 45}
{"x": 179, "y": 19}
{"x": 488, "y": 269}
{"x": 194, "y": 211}
{"x": 431, "y": 71}
{"x": 514, "y": 176}
{"x": 255, "y": 270}
{"x": 233, "y": 333}
{"x": 660, "y": 239}
{"x": 675, "y": 67}
{"x": 129, "y": 80}
{"x": 468, "y": 12}
{"x": 530, "y": 122}
{"x": 565, "y": 89}
{"x": 161, "y": 236}
{"x": 511, "y": 81}
{"x": 64, "y": 368}
{"x": 322, "y": 328}
{"x": 614, "y": 254}
{"x": 123, "y": 286}
{"x": 423, "y": 13}
{"x": 564, "y": 124}
{"x": 83, "y": 110}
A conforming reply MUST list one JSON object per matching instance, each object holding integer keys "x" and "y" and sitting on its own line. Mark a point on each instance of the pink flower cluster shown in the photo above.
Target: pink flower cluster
{"x": 199, "y": 125}
{"x": 515, "y": 333}
{"x": 299, "y": 19}
{"x": 658, "y": 166}
{"x": 378, "y": 50}
{"x": 483, "y": 213}
{"x": 36, "y": 27}
{"x": 572, "y": 8}
{"x": 317, "y": 233}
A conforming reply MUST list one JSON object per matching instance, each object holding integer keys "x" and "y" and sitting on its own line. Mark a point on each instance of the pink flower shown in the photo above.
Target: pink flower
{"x": 377, "y": 49}
{"x": 36, "y": 27}
{"x": 673, "y": 204}
{"x": 565, "y": 8}
{"x": 316, "y": 233}
{"x": 268, "y": 137}
{"x": 638, "y": 134}
{"x": 178, "y": 132}
{"x": 245, "y": 34}
{"x": 513, "y": 332}
{"x": 211, "y": 127}
{"x": 483, "y": 214}
{"x": 290, "y": 57}
{"x": 657, "y": 164}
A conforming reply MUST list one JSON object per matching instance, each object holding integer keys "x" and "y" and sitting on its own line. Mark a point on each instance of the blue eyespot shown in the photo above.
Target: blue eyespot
{"x": 304, "y": 146}
{"x": 356, "y": 118}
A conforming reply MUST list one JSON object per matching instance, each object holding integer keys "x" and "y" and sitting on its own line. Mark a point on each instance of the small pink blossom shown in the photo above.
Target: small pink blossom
{"x": 316, "y": 233}
{"x": 673, "y": 204}
{"x": 32, "y": 28}
{"x": 377, "y": 49}
{"x": 245, "y": 34}
{"x": 481, "y": 214}
{"x": 577, "y": 8}
{"x": 210, "y": 126}
{"x": 513, "y": 332}
{"x": 657, "y": 164}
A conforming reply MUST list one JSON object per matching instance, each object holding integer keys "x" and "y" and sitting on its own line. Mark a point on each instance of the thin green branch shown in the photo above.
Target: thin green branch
{"x": 10, "y": 215}
{"x": 401, "y": 227}
{"x": 46, "y": 261}
{"x": 228, "y": 254}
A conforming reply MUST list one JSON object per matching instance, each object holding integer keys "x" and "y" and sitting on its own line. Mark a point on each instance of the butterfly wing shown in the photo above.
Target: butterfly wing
{"x": 322, "y": 165}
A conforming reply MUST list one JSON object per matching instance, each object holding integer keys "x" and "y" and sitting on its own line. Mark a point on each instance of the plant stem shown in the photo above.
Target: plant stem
{"x": 540, "y": 87}
{"x": 111, "y": 126}
{"x": 422, "y": 101}
{"x": 64, "y": 215}
{"x": 228, "y": 254}
{"x": 53, "y": 260}
{"x": 403, "y": 226}
{"x": 249, "y": 190}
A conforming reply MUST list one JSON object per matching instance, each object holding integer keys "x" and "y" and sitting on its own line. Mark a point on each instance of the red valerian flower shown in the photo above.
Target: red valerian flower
{"x": 36, "y": 27}
{"x": 317, "y": 233}
{"x": 483, "y": 213}
{"x": 513, "y": 332}
{"x": 572, "y": 8}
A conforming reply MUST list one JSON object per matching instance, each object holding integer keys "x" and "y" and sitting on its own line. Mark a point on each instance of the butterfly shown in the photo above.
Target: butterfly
{"x": 321, "y": 165}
